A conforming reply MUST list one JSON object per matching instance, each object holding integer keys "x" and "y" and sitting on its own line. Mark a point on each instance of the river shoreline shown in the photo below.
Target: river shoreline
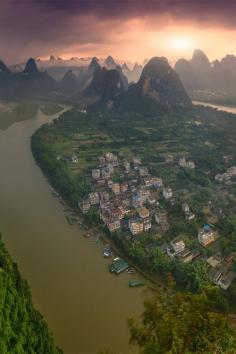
{"x": 94, "y": 232}
{"x": 221, "y": 107}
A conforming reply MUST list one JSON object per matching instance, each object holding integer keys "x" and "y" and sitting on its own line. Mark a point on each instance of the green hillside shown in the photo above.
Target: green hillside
{"x": 22, "y": 328}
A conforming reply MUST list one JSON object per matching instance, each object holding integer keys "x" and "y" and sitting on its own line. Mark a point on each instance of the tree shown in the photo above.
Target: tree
{"x": 183, "y": 323}
{"x": 198, "y": 276}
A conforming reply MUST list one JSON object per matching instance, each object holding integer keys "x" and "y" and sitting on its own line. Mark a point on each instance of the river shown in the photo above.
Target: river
{"x": 229, "y": 109}
{"x": 84, "y": 305}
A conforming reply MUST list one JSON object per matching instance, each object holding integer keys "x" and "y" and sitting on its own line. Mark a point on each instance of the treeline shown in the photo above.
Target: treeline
{"x": 72, "y": 187}
{"x": 22, "y": 328}
{"x": 183, "y": 323}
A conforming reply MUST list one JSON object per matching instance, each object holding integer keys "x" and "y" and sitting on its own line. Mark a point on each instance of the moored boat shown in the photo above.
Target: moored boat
{"x": 131, "y": 270}
{"x": 118, "y": 266}
{"x": 107, "y": 251}
{"x": 55, "y": 193}
{"x": 135, "y": 282}
{"x": 71, "y": 220}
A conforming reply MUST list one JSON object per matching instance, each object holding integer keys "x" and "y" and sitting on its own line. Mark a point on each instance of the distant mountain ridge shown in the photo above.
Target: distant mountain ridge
{"x": 57, "y": 67}
{"x": 199, "y": 74}
{"x": 158, "y": 82}
{"x": 29, "y": 83}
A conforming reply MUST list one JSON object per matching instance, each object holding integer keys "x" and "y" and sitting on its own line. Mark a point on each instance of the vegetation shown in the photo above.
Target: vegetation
{"x": 183, "y": 323}
{"x": 73, "y": 187}
{"x": 203, "y": 135}
{"x": 22, "y": 328}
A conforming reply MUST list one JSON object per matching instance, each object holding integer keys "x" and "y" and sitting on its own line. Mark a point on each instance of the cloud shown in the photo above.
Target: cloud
{"x": 40, "y": 27}
{"x": 212, "y": 11}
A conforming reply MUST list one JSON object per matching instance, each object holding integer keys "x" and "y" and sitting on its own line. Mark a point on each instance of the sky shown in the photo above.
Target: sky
{"x": 131, "y": 30}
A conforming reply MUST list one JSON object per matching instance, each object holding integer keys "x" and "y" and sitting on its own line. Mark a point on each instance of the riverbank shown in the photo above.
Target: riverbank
{"x": 221, "y": 107}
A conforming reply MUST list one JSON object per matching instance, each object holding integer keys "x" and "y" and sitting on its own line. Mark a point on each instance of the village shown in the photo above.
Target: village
{"x": 127, "y": 198}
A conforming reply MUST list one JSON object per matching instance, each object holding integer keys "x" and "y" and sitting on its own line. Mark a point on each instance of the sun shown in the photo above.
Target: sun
{"x": 181, "y": 43}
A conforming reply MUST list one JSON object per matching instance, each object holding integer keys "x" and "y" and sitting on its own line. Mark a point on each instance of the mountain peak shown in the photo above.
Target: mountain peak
{"x": 137, "y": 66}
{"x": 31, "y": 67}
{"x": 199, "y": 58}
{"x": 94, "y": 64}
{"x": 125, "y": 67}
{"x": 156, "y": 66}
{"x": 3, "y": 67}
{"x": 69, "y": 82}
{"x": 184, "y": 68}
{"x": 110, "y": 63}
{"x": 160, "y": 83}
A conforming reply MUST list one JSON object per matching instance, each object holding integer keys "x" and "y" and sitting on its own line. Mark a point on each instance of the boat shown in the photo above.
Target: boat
{"x": 118, "y": 265}
{"x": 135, "y": 282}
{"x": 87, "y": 235}
{"x": 71, "y": 220}
{"x": 131, "y": 270}
{"x": 107, "y": 251}
{"x": 54, "y": 193}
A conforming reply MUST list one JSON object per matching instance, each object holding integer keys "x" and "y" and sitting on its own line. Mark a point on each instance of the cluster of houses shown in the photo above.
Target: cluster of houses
{"x": 218, "y": 267}
{"x": 126, "y": 197}
{"x": 226, "y": 177}
{"x": 130, "y": 202}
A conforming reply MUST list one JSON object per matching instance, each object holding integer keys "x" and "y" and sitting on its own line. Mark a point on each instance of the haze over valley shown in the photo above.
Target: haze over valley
{"x": 118, "y": 177}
